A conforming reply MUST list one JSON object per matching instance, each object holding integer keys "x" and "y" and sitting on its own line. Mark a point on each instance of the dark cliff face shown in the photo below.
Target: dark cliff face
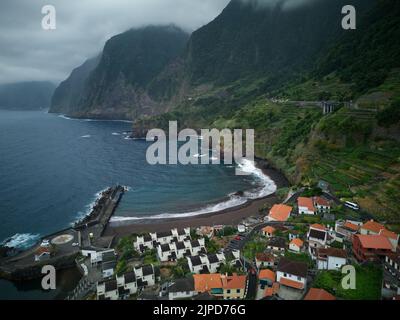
{"x": 251, "y": 40}
{"x": 124, "y": 83}
{"x": 68, "y": 94}
{"x": 33, "y": 95}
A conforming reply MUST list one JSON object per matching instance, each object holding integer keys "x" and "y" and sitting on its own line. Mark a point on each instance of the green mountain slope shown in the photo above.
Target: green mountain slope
{"x": 123, "y": 83}
{"x": 233, "y": 83}
{"x": 68, "y": 94}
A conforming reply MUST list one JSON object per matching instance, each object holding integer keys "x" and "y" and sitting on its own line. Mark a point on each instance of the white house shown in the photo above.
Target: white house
{"x": 317, "y": 237}
{"x": 97, "y": 257}
{"x": 296, "y": 245}
{"x": 146, "y": 275}
{"x": 176, "y": 250}
{"x": 264, "y": 260}
{"x": 214, "y": 261}
{"x": 322, "y": 205}
{"x": 107, "y": 290}
{"x": 145, "y": 242}
{"x": 331, "y": 258}
{"x": 152, "y": 240}
{"x": 198, "y": 264}
{"x": 292, "y": 274}
{"x": 182, "y": 289}
{"x": 277, "y": 244}
{"x": 306, "y": 206}
{"x": 127, "y": 285}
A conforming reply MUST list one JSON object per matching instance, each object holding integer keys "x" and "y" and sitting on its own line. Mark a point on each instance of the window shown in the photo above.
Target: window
{"x": 228, "y": 291}
{"x": 237, "y": 290}
{"x": 299, "y": 278}
{"x": 285, "y": 274}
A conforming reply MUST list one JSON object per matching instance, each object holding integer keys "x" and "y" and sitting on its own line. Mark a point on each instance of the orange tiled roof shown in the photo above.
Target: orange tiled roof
{"x": 373, "y": 226}
{"x": 319, "y": 294}
{"x": 269, "y": 229}
{"x": 318, "y": 226}
{"x": 206, "y": 282}
{"x": 351, "y": 226}
{"x": 266, "y": 274}
{"x": 280, "y": 212}
{"x": 389, "y": 234}
{"x": 298, "y": 242}
{"x": 306, "y": 202}
{"x": 374, "y": 241}
{"x": 291, "y": 283}
{"x": 270, "y": 291}
{"x": 233, "y": 282}
{"x": 321, "y": 201}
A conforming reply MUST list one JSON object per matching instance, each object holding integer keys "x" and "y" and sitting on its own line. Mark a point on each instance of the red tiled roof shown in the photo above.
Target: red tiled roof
{"x": 319, "y": 294}
{"x": 306, "y": 202}
{"x": 389, "y": 234}
{"x": 321, "y": 201}
{"x": 266, "y": 274}
{"x": 269, "y": 229}
{"x": 331, "y": 252}
{"x": 269, "y": 292}
{"x": 373, "y": 226}
{"x": 318, "y": 226}
{"x": 291, "y": 283}
{"x": 233, "y": 282}
{"x": 206, "y": 282}
{"x": 351, "y": 226}
{"x": 298, "y": 242}
{"x": 374, "y": 241}
{"x": 280, "y": 212}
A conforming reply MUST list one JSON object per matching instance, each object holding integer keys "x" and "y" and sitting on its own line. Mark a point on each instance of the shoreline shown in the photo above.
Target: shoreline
{"x": 227, "y": 216}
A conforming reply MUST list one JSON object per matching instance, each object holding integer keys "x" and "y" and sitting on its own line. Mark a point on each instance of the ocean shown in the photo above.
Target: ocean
{"x": 52, "y": 168}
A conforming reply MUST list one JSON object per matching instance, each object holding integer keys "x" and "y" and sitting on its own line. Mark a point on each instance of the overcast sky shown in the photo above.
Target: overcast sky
{"x": 27, "y": 52}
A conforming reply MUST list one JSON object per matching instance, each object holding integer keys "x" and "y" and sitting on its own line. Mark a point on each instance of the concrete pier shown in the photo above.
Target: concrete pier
{"x": 65, "y": 245}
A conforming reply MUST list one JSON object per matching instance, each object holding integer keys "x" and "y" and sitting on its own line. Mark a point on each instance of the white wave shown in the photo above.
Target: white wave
{"x": 21, "y": 240}
{"x": 116, "y": 134}
{"x": 86, "y": 136}
{"x": 89, "y": 208}
{"x": 233, "y": 201}
{"x": 267, "y": 187}
{"x": 63, "y": 116}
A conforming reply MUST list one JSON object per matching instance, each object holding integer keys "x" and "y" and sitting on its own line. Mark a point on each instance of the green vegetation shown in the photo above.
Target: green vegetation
{"x": 254, "y": 246}
{"x": 181, "y": 268}
{"x": 227, "y": 231}
{"x": 150, "y": 257}
{"x": 368, "y": 283}
{"x": 211, "y": 245}
{"x": 301, "y": 257}
{"x": 125, "y": 248}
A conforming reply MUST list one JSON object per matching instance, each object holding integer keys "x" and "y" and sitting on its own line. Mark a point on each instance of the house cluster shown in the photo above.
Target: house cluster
{"x": 305, "y": 206}
{"x": 106, "y": 260}
{"x": 210, "y": 263}
{"x": 128, "y": 284}
{"x": 171, "y": 245}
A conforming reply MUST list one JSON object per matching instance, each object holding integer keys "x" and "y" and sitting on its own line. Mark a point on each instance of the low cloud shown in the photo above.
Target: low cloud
{"x": 28, "y": 52}
{"x": 284, "y": 4}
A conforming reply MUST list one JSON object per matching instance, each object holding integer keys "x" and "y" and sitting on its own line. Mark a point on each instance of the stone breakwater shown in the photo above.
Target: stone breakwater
{"x": 85, "y": 233}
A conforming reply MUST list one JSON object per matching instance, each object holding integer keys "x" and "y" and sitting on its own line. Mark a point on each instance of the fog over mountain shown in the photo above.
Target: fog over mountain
{"x": 28, "y": 52}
